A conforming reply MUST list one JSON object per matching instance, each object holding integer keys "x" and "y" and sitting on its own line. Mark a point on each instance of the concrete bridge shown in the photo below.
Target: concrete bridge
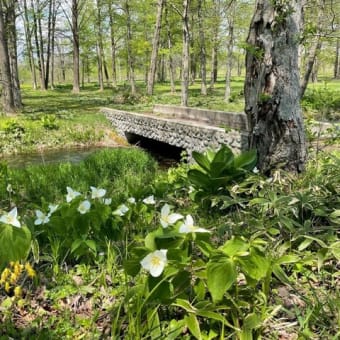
{"x": 183, "y": 127}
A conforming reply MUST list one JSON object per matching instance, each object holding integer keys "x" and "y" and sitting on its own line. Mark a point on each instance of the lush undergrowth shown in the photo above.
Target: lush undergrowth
{"x": 210, "y": 251}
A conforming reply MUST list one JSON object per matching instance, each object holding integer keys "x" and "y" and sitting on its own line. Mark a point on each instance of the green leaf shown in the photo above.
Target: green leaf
{"x": 246, "y": 160}
{"x": 335, "y": 249}
{"x": 91, "y": 244}
{"x": 76, "y": 244}
{"x": 280, "y": 274}
{"x": 201, "y": 160}
{"x": 193, "y": 325}
{"x": 221, "y": 275}
{"x": 199, "y": 179}
{"x": 235, "y": 246}
{"x": 154, "y": 328}
{"x": 289, "y": 258}
{"x": 252, "y": 321}
{"x": 175, "y": 329}
{"x": 185, "y": 304}
{"x": 255, "y": 265}
{"x": 15, "y": 243}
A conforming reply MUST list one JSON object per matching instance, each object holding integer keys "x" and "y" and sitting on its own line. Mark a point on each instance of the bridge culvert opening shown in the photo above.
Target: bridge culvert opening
{"x": 164, "y": 153}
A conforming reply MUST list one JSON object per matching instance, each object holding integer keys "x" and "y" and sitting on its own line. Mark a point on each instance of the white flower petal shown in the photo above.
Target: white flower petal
{"x": 52, "y": 208}
{"x": 131, "y": 200}
{"x": 84, "y": 207}
{"x": 149, "y": 200}
{"x": 11, "y": 218}
{"x": 173, "y": 218}
{"x": 155, "y": 262}
{"x": 107, "y": 201}
{"x": 97, "y": 193}
{"x": 71, "y": 194}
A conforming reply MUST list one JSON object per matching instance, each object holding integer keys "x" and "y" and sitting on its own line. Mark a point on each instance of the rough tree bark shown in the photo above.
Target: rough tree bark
{"x": 272, "y": 90}
{"x": 12, "y": 51}
{"x": 155, "y": 47}
{"x": 5, "y": 71}
{"x": 113, "y": 46}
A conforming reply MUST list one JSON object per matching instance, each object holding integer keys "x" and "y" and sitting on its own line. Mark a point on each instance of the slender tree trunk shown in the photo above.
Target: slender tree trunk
{"x": 99, "y": 46}
{"x": 6, "y": 81}
{"x": 12, "y": 49}
{"x": 130, "y": 58}
{"x": 336, "y": 61}
{"x": 41, "y": 47}
{"x": 113, "y": 46}
{"x": 49, "y": 38}
{"x": 28, "y": 38}
{"x": 314, "y": 48}
{"x": 203, "y": 59}
{"x": 54, "y": 19}
{"x": 170, "y": 59}
{"x": 75, "y": 35}
{"x": 155, "y": 47}
{"x": 39, "y": 52}
{"x": 272, "y": 89}
{"x": 230, "y": 47}
{"x": 185, "y": 53}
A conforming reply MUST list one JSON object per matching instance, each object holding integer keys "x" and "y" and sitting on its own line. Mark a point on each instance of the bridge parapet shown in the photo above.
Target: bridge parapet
{"x": 233, "y": 120}
{"x": 185, "y": 134}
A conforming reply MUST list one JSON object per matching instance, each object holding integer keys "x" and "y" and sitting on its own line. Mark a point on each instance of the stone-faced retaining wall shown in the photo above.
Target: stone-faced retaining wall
{"x": 188, "y": 135}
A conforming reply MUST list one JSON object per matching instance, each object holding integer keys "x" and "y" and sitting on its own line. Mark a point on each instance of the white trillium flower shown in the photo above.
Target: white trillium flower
{"x": 131, "y": 200}
{"x": 155, "y": 262}
{"x": 71, "y": 194}
{"x": 52, "y": 208}
{"x": 189, "y": 227}
{"x": 167, "y": 218}
{"x": 149, "y": 200}
{"x": 84, "y": 207}
{"x": 9, "y": 188}
{"x": 97, "y": 193}
{"x": 42, "y": 218}
{"x": 107, "y": 201}
{"x": 11, "y": 218}
{"x": 121, "y": 210}
{"x": 256, "y": 170}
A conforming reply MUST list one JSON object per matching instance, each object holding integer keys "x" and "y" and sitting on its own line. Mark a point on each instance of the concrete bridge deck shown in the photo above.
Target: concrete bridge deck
{"x": 186, "y": 128}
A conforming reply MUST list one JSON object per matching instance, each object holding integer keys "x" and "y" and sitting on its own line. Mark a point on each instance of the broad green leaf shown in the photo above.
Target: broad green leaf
{"x": 185, "y": 304}
{"x": 199, "y": 179}
{"x": 175, "y": 329}
{"x": 15, "y": 243}
{"x": 91, "y": 244}
{"x": 193, "y": 325}
{"x": 76, "y": 244}
{"x": 221, "y": 273}
{"x": 289, "y": 258}
{"x": 234, "y": 246}
{"x": 252, "y": 321}
{"x": 201, "y": 160}
{"x": 246, "y": 160}
{"x": 255, "y": 265}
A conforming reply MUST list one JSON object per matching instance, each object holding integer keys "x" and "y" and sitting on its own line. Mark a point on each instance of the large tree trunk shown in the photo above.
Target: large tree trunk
{"x": 12, "y": 50}
{"x": 272, "y": 90}
{"x": 75, "y": 36}
{"x": 185, "y": 53}
{"x": 54, "y": 19}
{"x": 155, "y": 48}
{"x": 5, "y": 71}
{"x": 203, "y": 59}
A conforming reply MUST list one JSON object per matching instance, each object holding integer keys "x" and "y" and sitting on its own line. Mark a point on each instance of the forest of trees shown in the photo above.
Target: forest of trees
{"x": 111, "y": 41}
